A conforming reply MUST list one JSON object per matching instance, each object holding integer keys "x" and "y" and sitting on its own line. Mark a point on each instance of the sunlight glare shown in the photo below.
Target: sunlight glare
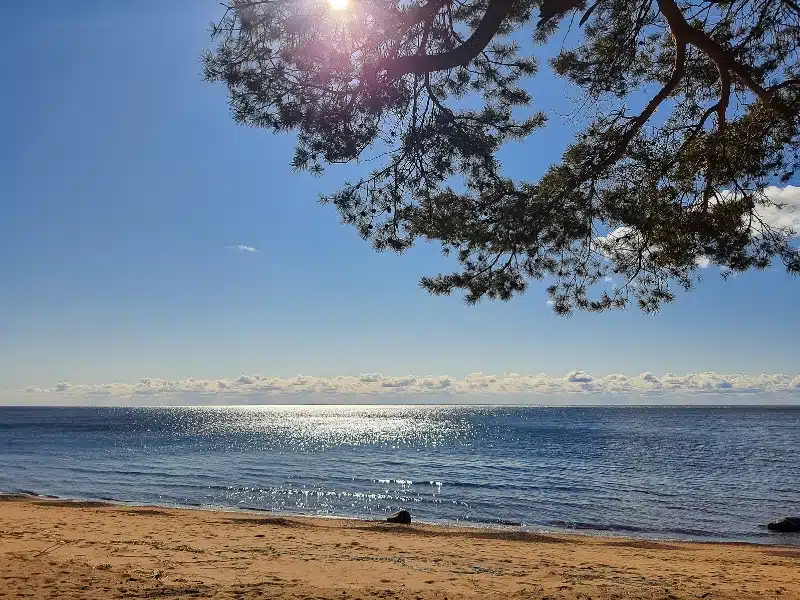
{"x": 338, "y": 4}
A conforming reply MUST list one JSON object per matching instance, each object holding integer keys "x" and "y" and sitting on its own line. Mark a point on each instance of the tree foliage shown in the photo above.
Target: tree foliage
{"x": 691, "y": 109}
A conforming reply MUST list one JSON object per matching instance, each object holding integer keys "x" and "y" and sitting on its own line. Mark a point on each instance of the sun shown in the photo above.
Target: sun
{"x": 338, "y": 4}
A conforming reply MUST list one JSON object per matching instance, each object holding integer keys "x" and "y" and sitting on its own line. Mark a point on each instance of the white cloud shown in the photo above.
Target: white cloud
{"x": 512, "y": 386}
{"x": 579, "y": 377}
{"x": 242, "y": 248}
{"x": 624, "y": 242}
{"x": 789, "y": 214}
{"x": 398, "y": 382}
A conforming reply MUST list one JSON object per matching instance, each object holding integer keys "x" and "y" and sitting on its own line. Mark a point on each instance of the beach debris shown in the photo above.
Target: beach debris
{"x": 401, "y": 516}
{"x": 46, "y": 550}
{"x": 786, "y": 525}
{"x": 479, "y": 569}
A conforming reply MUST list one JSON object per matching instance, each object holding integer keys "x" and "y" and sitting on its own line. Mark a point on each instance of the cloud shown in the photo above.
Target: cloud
{"x": 579, "y": 377}
{"x": 624, "y": 242}
{"x": 398, "y": 382}
{"x": 789, "y": 214}
{"x": 475, "y": 387}
{"x": 242, "y": 248}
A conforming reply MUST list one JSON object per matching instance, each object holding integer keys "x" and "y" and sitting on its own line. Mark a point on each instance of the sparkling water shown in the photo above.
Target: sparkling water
{"x": 680, "y": 472}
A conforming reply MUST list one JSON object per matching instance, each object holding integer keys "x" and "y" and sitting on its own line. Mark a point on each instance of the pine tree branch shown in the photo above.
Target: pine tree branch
{"x": 488, "y": 27}
{"x": 678, "y": 71}
{"x": 554, "y": 8}
{"x": 419, "y": 14}
{"x": 723, "y": 57}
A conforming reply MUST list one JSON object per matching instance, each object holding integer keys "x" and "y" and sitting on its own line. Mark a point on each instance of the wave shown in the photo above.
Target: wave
{"x": 491, "y": 521}
{"x": 683, "y": 532}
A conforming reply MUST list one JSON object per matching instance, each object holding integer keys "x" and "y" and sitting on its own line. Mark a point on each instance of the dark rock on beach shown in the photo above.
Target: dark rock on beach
{"x": 401, "y": 516}
{"x": 786, "y": 525}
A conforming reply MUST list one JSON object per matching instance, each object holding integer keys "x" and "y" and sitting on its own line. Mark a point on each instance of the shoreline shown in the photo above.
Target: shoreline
{"x": 792, "y": 540}
{"x": 78, "y": 549}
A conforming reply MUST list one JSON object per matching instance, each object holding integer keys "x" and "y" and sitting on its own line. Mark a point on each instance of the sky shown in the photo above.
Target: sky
{"x": 148, "y": 238}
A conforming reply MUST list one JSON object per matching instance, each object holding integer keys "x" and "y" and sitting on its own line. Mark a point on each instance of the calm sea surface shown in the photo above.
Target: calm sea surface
{"x": 699, "y": 473}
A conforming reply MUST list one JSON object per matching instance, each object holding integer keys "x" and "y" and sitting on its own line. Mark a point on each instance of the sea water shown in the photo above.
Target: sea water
{"x": 718, "y": 473}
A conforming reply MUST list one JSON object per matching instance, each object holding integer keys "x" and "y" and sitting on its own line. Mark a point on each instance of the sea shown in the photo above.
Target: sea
{"x": 697, "y": 473}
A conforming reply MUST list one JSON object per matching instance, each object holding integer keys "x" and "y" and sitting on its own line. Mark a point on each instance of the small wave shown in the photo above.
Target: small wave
{"x": 700, "y": 533}
{"x": 432, "y": 482}
{"x": 491, "y": 521}
{"x": 22, "y": 492}
{"x": 115, "y": 471}
{"x": 682, "y": 532}
{"x": 599, "y": 527}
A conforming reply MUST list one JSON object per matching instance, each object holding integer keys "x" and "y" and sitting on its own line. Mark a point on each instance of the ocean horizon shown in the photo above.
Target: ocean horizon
{"x": 714, "y": 399}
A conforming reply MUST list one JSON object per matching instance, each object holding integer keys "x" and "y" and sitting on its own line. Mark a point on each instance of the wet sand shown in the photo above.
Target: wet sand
{"x": 51, "y": 548}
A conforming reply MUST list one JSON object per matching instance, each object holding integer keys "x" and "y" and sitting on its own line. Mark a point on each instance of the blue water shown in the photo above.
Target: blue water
{"x": 696, "y": 473}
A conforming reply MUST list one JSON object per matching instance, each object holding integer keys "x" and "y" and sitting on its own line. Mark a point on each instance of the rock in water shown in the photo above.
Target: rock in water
{"x": 786, "y": 525}
{"x": 401, "y": 516}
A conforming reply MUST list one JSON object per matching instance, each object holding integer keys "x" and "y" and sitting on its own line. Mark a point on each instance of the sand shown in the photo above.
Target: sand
{"x": 58, "y": 549}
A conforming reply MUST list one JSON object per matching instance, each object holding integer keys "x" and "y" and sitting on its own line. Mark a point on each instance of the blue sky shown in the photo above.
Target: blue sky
{"x": 125, "y": 186}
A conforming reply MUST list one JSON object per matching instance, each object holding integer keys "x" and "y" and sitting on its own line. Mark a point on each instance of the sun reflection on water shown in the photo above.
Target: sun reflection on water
{"x": 321, "y": 427}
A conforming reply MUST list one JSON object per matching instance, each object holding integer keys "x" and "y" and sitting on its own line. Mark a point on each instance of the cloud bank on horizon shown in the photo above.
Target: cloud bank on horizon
{"x": 249, "y": 388}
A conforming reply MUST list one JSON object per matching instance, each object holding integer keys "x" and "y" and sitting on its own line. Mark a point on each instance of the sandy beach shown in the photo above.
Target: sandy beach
{"x": 59, "y": 549}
